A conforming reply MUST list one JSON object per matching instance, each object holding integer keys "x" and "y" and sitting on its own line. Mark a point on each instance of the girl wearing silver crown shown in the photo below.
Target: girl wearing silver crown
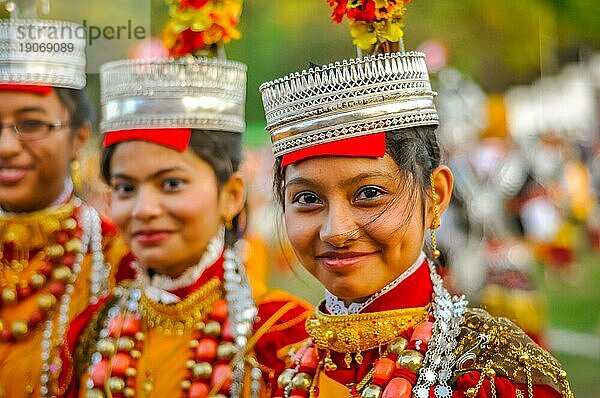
{"x": 56, "y": 252}
{"x": 360, "y": 180}
{"x": 188, "y": 325}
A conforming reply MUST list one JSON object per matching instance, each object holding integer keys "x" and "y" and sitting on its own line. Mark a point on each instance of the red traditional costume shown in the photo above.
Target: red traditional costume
{"x": 412, "y": 338}
{"x": 492, "y": 357}
{"x": 55, "y": 261}
{"x": 179, "y": 348}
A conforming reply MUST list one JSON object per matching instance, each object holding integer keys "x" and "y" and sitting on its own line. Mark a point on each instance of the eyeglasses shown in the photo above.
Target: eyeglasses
{"x": 31, "y": 130}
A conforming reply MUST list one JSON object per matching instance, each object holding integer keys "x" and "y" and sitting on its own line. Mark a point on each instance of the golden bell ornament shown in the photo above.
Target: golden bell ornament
{"x": 9, "y": 295}
{"x": 372, "y": 391}
{"x": 125, "y": 344}
{"x": 46, "y": 301}
{"x": 19, "y": 329}
{"x": 116, "y": 384}
{"x": 94, "y": 393}
{"x": 130, "y": 372}
{"x": 302, "y": 381}
{"x": 226, "y": 350}
{"x": 212, "y": 328}
{"x": 398, "y": 345}
{"x": 186, "y": 385}
{"x": 106, "y": 347}
{"x": 285, "y": 378}
{"x": 202, "y": 370}
{"x": 69, "y": 223}
{"x": 62, "y": 273}
{"x": 37, "y": 280}
{"x": 74, "y": 246}
{"x": 55, "y": 250}
{"x": 411, "y": 360}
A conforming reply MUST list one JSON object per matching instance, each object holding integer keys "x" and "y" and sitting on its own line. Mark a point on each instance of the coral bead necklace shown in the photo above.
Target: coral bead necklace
{"x": 219, "y": 316}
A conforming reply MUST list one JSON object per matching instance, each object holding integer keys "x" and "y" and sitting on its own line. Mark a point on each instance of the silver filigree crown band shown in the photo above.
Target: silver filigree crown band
{"x": 199, "y": 93}
{"x": 42, "y": 52}
{"x": 348, "y": 99}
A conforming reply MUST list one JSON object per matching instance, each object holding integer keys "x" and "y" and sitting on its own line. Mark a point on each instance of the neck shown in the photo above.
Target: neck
{"x": 182, "y": 277}
{"x": 413, "y": 282}
{"x": 66, "y": 191}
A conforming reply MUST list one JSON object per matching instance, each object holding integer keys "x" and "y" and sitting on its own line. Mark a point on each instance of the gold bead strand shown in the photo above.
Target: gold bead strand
{"x": 435, "y": 253}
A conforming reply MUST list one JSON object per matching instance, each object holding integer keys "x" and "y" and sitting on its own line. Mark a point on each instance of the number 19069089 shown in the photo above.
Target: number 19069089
{"x": 46, "y": 47}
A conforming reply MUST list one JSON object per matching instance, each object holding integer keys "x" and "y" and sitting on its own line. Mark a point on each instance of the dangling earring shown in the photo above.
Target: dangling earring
{"x": 228, "y": 222}
{"x": 76, "y": 175}
{"x": 435, "y": 224}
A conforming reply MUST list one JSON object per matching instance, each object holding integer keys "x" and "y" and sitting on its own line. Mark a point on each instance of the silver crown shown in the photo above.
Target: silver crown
{"x": 347, "y": 99}
{"x": 200, "y": 93}
{"x": 42, "y": 52}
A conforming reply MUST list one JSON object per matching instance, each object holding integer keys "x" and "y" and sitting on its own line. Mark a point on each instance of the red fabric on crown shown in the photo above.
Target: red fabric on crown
{"x": 176, "y": 138}
{"x": 31, "y": 88}
{"x": 370, "y": 145}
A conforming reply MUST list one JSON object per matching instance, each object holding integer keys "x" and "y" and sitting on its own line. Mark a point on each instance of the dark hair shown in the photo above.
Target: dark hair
{"x": 415, "y": 150}
{"x": 77, "y": 103}
{"x": 221, "y": 150}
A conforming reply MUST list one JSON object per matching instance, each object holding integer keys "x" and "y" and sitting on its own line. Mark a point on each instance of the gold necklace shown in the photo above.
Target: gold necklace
{"x": 176, "y": 318}
{"x": 32, "y": 230}
{"x": 361, "y": 332}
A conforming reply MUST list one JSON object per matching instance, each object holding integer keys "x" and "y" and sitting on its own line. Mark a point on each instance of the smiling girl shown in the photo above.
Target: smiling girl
{"x": 57, "y": 254}
{"x": 189, "y": 324}
{"x": 359, "y": 177}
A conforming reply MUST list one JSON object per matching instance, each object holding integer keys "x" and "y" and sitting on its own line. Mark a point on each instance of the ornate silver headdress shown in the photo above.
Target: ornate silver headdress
{"x": 348, "y": 99}
{"x": 198, "y": 93}
{"x": 42, "y": 53}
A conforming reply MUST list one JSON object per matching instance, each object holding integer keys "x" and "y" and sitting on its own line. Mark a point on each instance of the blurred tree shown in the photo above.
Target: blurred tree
{"x": 497, "y": 42}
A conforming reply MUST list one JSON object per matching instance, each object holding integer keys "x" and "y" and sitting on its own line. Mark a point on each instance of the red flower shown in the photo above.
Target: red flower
{"x": 187, "y": 42}
{"x": 183, "y": 4}
{"x": 339, "y": 10}
{"x": 366, "y": 11}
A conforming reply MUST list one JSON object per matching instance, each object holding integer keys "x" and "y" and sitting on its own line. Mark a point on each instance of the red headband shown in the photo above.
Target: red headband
{"x": 370, "y": 145}
{"x": 31, "y": 88}
{"x": 176, "y": 138}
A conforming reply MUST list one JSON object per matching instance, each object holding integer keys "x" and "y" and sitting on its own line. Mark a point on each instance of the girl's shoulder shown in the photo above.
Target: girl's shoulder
{"x": 491, "y": 347}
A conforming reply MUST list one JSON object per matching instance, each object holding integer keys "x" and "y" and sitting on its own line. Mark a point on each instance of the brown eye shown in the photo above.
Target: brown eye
{"x": 369, "y": 193}
{"x": 306, "y": 198}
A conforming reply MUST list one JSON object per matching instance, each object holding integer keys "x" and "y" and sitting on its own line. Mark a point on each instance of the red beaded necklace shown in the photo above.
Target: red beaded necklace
{"x": 393, "y": 374}
{"x": 211, "y": 349}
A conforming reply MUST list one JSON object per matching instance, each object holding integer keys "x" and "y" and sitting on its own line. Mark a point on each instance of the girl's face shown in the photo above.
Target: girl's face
{"x": 32, "y": 173}
{"x": 168, "y": 204}
{"x": 354, "y": 223}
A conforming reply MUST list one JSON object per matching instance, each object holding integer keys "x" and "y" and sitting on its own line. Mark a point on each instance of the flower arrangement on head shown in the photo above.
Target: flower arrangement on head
{"x": 200, "y": 27}
{"x": 374, "y": 24}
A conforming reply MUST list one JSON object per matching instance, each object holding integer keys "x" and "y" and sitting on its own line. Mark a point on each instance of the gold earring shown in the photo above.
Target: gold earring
{"x": 228, "y": 221}
{"x": 435, "y": 253}
{"x": 76, "y": 175}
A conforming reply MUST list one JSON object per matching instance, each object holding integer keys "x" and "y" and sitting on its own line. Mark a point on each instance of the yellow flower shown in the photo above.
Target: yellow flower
{"x": 170, "y": 34}
{"x": 363, "y": 35}
{"x": 392, "y": 31}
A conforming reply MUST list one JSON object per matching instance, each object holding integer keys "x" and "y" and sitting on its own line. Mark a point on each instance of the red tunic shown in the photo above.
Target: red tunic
{"x": 280, "y": 324}
{"x": 416, "y": 291}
